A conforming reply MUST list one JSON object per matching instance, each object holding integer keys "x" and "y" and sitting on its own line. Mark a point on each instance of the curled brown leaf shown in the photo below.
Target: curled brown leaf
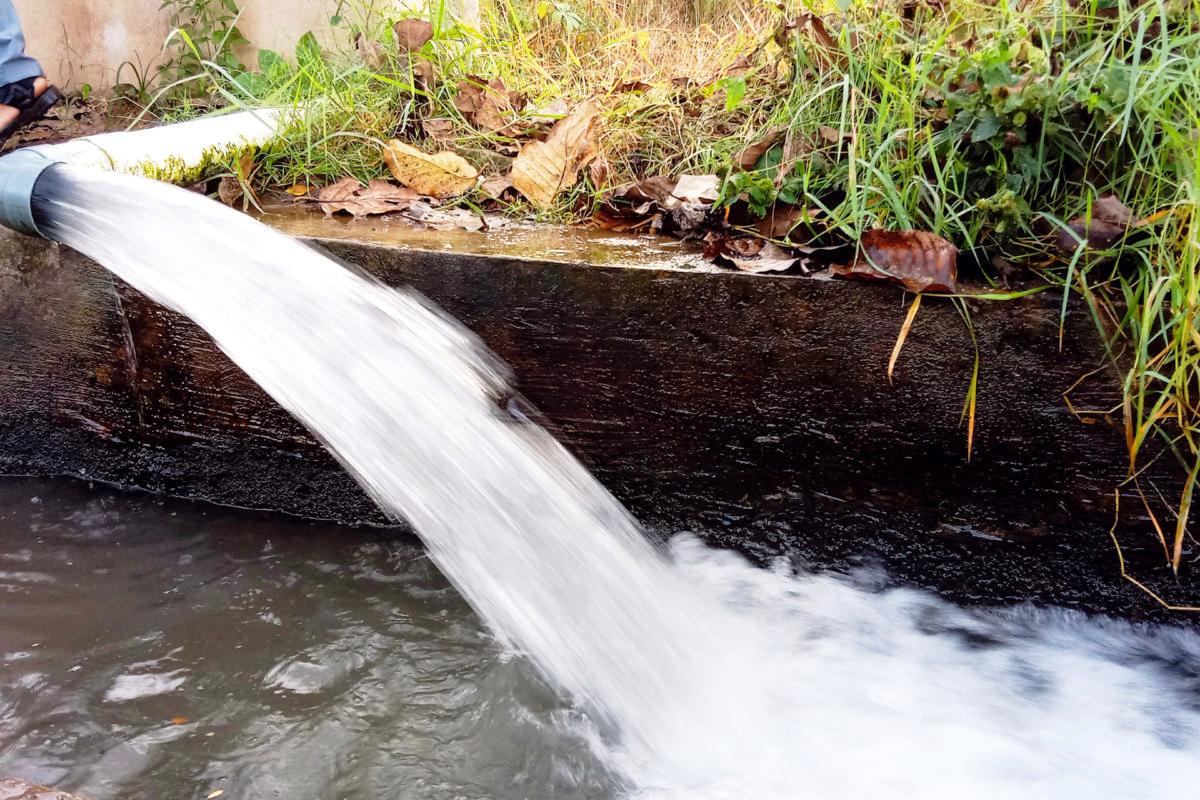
{"x": 412, "y": 34}
{"x": 917, "y": 260}
{"x": 544, "y": 169}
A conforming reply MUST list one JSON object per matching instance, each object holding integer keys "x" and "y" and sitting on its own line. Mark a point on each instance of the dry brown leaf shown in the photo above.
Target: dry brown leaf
{"x": 1109, "y": 221}
{"x": 442, "y": 175}
{"x": 552, "y": 111}
{"x": 631, "y": 86}
{"x": 781, "y": 219}
{"x": 670, "y": 193}
{"x": 833, "y": 135}
{"x": 371, "y": 53}
{"x": 439, "y": 129}
{"x": 489, "y": 105}
{"x": 918, "y": 260}
{"x": 767, "y": 258}
{"x": 544, "y": 169}
{"x": 378, "y": 197}
{"x": 422, "y": 70}
{"x": 657, "y": 190}
{"x": 697, "y": 189}
{"x": 754, "y": 152}
{"x": 412, "y": 34}
{"x": 825, "y": 51}
{"x": 599, "y": 170}
{"x": 748, "y": 255}
{"x": 445, "y": 219}
{"x": 623, "y": 219}
{"x": 496, "y": 185}
{"x": 229, "y": 190}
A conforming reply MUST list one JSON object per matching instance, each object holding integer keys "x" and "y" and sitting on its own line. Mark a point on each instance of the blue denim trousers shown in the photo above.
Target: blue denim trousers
{"x": 14, "y": 64}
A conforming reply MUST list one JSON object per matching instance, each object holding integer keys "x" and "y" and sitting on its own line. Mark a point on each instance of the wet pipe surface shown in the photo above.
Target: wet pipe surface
{"x": 754, "y": 411}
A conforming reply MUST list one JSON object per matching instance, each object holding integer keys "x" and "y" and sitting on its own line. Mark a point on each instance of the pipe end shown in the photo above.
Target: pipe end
{"x": 19, "y": 171}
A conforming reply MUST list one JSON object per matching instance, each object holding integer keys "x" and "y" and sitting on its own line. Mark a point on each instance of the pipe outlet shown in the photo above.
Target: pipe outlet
{"x": 19, "y": 171}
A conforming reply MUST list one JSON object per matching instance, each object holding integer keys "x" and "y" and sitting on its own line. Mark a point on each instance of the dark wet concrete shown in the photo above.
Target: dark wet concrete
{"x": 754, "y": 404}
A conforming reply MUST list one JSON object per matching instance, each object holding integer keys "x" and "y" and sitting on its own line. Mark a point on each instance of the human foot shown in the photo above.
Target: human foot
{"x": 26, "y": 104}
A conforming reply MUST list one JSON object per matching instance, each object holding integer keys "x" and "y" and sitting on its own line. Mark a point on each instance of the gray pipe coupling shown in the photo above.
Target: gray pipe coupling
{"x": 19, "y": 171}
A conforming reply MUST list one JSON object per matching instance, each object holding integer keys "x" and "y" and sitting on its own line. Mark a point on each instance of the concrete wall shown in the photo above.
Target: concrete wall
{"x": 85, "y": 41}
{"x": 755, "y": 410}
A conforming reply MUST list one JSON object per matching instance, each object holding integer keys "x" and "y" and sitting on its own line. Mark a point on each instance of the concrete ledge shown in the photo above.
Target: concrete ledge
{"x": 754, "y": 409}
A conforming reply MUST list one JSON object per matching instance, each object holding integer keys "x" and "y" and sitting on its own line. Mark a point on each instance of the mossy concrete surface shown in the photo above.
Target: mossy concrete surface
{"x": 754, "y": 410}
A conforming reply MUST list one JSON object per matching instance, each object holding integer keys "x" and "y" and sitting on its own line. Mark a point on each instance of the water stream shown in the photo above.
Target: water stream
{"x": 689, "y": 674}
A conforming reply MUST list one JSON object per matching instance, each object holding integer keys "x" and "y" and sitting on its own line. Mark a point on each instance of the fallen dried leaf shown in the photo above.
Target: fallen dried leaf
{"x": 767, "y": 258}
{"x": 1110, "y": 220}
{"x": 441, "y": 175}
{"x": 651, "y": 190}
{"x": 439, "y": 129}
{"x": 825, "y": 51}
{"x": 754, "y": 152}
{"x": 598, "y": 171}
{"x": 781, "y": 219}
{"x": 422, "y": 70}
{"x": 833, "y": 135}
{"x": 544, "y": 169}
{"x": 918, "y": 260}
{"x": 412, "y": 34}
{"x": 229, "y": 190}
{"x": 445, "y": 219}
{"x": 631, "y": 86}
{"x": 697, "y": 188}
{"x": 496, "y": 186}
{"x": 552, "y": 111}
{"x": 371, "y": 53}
{"x": 623, "y": 219}
{"x": 748, "y": 255}
{"x": 670, "y": 192}
{"x": 489, "y": 105}
{"x": 378, "y": 197}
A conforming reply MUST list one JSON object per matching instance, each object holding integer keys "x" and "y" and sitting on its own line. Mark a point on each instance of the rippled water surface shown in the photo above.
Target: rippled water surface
{"x": 156, "y": 649}
{"x": 162, "y": 649}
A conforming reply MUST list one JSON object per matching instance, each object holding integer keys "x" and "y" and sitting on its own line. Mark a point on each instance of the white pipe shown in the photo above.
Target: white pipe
{"x": 172, "y": 153}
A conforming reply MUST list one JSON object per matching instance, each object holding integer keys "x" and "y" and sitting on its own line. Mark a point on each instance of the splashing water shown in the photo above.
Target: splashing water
{"x": 720, "y": 680}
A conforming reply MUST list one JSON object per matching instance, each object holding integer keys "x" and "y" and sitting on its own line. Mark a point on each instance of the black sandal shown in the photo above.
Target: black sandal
{"x": 20, "y": 96}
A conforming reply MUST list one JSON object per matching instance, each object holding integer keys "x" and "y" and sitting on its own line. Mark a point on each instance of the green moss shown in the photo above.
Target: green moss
{"x": 175, "y": 170}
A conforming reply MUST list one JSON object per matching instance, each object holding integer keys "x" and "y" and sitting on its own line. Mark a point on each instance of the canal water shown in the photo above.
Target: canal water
{"x": 159, "y": 649}
{"x": 154, "y": 650}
